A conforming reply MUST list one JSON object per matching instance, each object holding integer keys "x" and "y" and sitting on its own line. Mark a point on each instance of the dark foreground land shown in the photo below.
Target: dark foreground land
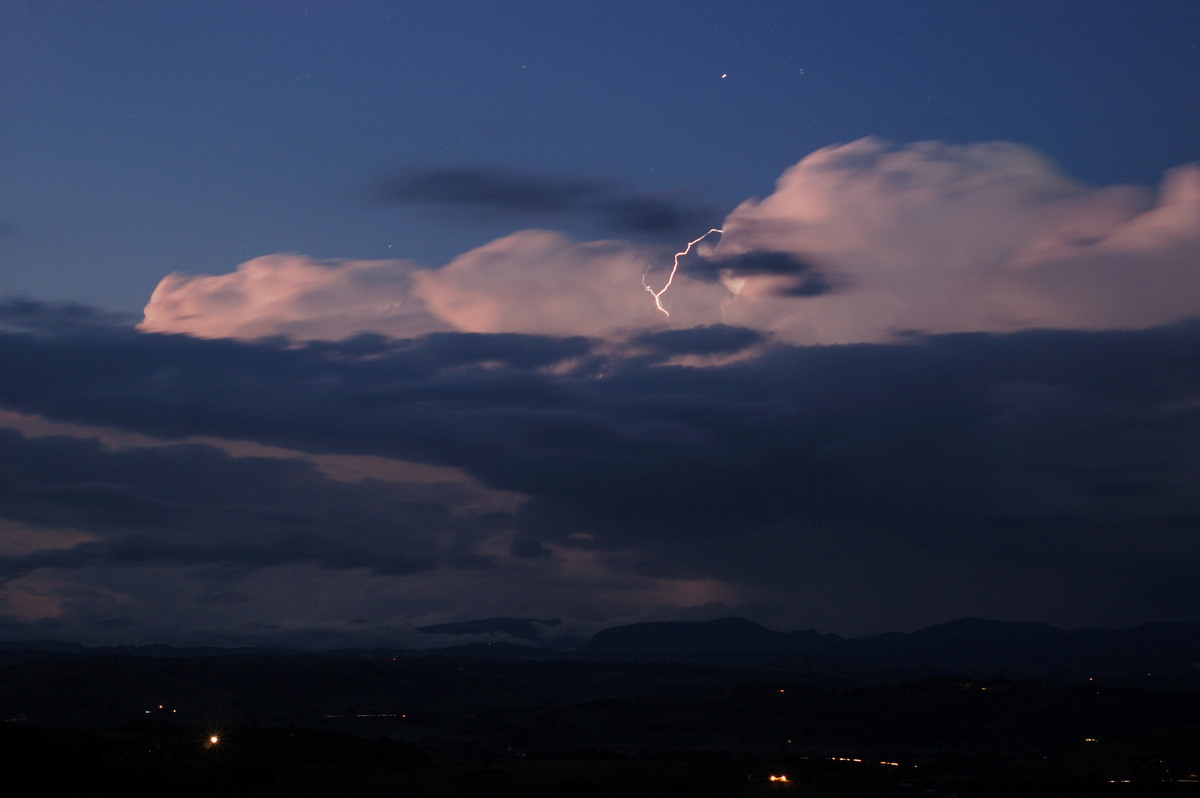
{"x": 374, "y": 724}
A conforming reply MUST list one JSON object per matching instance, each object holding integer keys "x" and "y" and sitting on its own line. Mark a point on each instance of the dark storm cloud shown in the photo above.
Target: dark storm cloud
{"x": 528, "y": 548}
{"x": 499, "y": 191}
{"x": 808, "y": 279}
{"x": 751, "y": 263}
{"x": 30, "y": 315}
{"x": 813, "y": 284}
{"x": 512, "y": 349}
{"x": 713, "y": 339}
{"x": 189, "y": 505}
{"x": 1074, "y": 451}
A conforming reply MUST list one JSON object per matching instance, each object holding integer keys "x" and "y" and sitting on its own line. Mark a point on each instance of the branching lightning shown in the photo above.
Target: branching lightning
{"x": 674, "y": 268}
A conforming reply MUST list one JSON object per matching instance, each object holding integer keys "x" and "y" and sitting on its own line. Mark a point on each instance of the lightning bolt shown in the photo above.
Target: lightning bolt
{"x": 674, "y": 268}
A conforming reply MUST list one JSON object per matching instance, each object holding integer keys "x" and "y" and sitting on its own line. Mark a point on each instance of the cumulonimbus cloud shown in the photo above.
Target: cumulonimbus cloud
{"x": 944, "y": 238}
{"x": 858, "y": 242}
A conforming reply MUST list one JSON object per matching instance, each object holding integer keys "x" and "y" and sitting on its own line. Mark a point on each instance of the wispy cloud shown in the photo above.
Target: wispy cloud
{"x": 493, "y": 190}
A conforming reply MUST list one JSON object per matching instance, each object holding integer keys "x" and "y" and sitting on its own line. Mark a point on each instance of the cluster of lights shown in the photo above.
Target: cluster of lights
{"x": 849, "y": 759}
{"x": 368, "y": 715}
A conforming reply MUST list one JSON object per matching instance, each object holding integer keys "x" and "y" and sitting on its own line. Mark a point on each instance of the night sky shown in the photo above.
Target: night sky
{"x": 323, "y": 321}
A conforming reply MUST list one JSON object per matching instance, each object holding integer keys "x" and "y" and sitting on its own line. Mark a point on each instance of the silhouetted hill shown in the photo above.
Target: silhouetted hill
{"x": 972, "y": 645}
{"x": 965, "y": 646}
{"x": 520, "y": 628}
{"x": 509, "y": 651}
{"x": 967, "y": 630}
{"x": 729, "y": 637}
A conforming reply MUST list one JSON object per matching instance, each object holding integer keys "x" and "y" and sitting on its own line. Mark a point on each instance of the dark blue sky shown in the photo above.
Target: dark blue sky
{"x": 323, "y": 321}
{"x": 142, "y": 137}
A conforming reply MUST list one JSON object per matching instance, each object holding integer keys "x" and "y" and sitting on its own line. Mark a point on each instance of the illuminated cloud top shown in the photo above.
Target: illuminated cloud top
{"x": 858, "y": 242}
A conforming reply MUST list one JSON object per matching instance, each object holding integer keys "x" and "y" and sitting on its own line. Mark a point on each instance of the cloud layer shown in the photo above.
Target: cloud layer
{"x": 858, "y": 242}
{"x": 981, "y": 473}
{"x": 913, "y": 383}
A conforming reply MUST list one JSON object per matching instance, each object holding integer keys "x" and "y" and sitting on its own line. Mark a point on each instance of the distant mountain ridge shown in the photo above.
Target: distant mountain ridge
{"x": 520, "y": 628}
{"x": 966, "y": 645}
{"x": 720, "y": 636}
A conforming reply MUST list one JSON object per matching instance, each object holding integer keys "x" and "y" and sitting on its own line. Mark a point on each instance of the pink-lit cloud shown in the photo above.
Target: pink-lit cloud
{"x": 927, "y": 237}
{"x": 542, "y": 282}
{"x": 293, "y": 296}
{"x": 942, "y": 238}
